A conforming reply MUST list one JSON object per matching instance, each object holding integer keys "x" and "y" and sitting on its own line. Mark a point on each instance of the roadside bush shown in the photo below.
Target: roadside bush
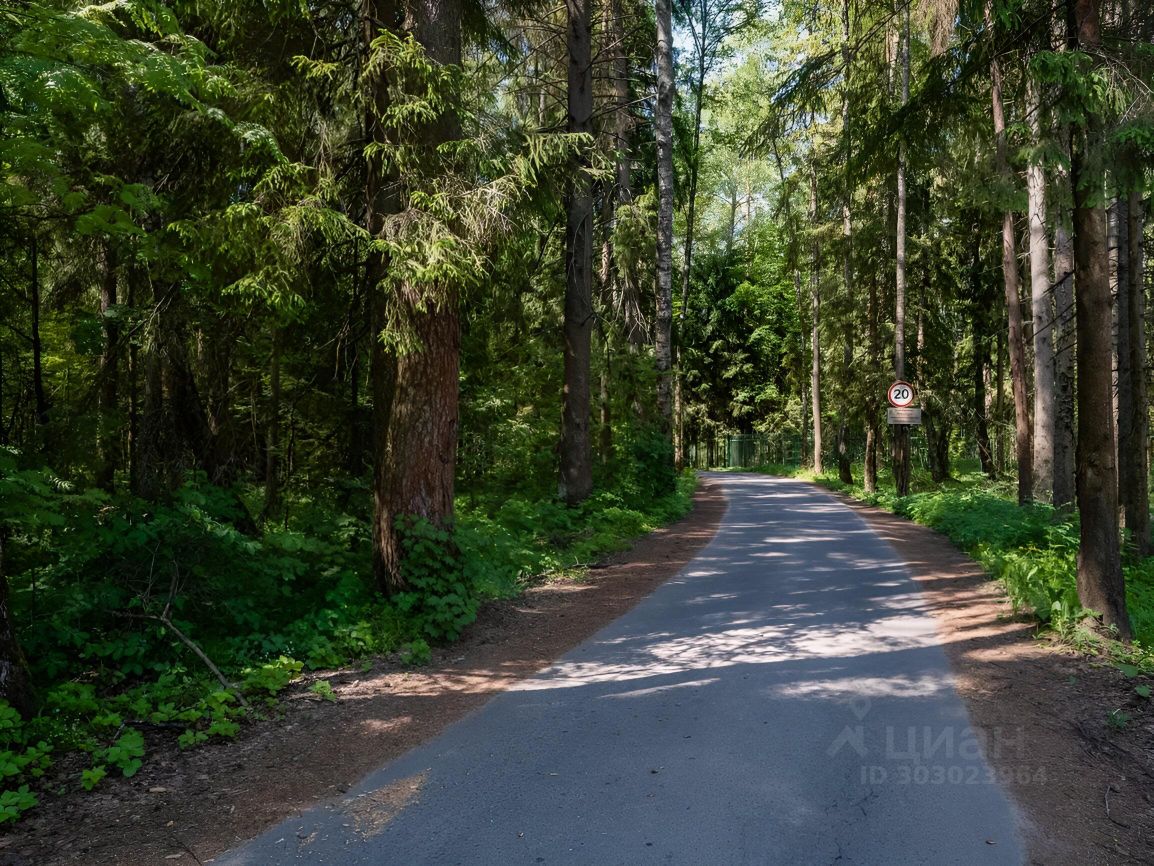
{"x": 107, "y": 591}
{"x": 650, "y": 474}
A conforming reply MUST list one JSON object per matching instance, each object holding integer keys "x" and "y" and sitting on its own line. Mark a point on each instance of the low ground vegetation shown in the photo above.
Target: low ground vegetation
{"x": 189, "y": 617}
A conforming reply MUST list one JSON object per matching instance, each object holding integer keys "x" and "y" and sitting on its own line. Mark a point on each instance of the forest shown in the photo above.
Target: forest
{"x": 325, "y": 322}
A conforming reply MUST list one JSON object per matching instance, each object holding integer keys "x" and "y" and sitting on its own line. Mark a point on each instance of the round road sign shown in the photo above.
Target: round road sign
{"x": 900, "y": 394}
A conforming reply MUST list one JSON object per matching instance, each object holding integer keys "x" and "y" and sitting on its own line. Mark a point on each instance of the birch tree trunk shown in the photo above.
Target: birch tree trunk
{"x": 1042, "y": 306}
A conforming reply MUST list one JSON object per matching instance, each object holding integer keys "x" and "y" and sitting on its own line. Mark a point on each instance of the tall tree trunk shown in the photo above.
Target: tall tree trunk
{"x": 576, "y": 446}
{"x": 815, "y": 324}
{"x": 132, "y": 280}
{"x": 1064, "y": 365}
{"x": 215, "y": 364}
{"x": 1101, "y": 586}
{"x": 982, "y": 425}
{"x": 981, "y": 349}
{"x": 418, "y": 390}
{"x": 157, "y": 441}
{"x": 380, "y": 201}
{"x": 1133, "y": 433}
{"x": 110, "y": 428}
{"x": 698, "y": 86}
{"x": 15, "y": 685}
{"x": 606, "y": 431}
{"x": 1120, "y": 359}
{"x": 663, "y": 125}
{"x": 901, "y": 446}
{"x": 37, "y": 347}
{"x": 870, "y": 470}
{"x": 1017, "y": 346}
{"x": 174, "y": 427}
{"x": 803, "y": 408}
{"x": 1000, "y": 400}
{"x": 272, "y": 461}
{"x": 626, "y": 290}
{"x": 1042, "y": 306}
{"x": 843, "y": 458}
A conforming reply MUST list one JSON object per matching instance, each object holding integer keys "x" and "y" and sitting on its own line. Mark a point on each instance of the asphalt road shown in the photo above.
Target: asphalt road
{"x": 782, "y": 700}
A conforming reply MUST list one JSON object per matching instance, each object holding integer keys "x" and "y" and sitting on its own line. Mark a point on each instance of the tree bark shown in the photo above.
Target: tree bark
{"x": 606, "y": 431}
{"x": 982, "y": 425}
{"x": 576, "y": 446}
{"x": 901, "y": 434}
{"x": 803, "y": 427}
{"x": 1042, "y": 306}
{"x": 15, "y": 685}
{"x": 663, "y": 125}
{"x": 981, "y": 351}
{"x": 1133, "y": 433}
{"x": 999, "y": 400}
{"x": 844, "y": 471}
{"x": 37, "y": 347}
{"x": 626, "y": 289}
{"x": 174, "y": 425}
{"x": 815, "y": 325}
{"x": 110, "y": 428}
{"x": 1120, "y": 358}
{"x": 133, "y": 391}
{"x": 416, "y": 442}
{"x": 1017, "y": 346}
{"x": 1064, "y": 365}
{"x": 870, "y": 469}
{"x": 272, "y": 461}
{"x": 694, "y": 164}
{"x": 1101, "y": 587}
{"x": 380, "y": 200}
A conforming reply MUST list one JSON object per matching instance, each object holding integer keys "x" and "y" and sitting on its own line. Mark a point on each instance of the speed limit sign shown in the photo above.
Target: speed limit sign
{"x": 900, "y": 394}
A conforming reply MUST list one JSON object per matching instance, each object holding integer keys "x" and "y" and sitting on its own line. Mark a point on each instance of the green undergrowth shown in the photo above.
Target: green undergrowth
{"x": 109, "y": 594}
{"x": 1032, "y": 550}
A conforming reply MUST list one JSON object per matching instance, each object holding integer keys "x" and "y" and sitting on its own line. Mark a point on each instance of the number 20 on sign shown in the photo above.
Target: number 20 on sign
{"x": 900, "y": 394}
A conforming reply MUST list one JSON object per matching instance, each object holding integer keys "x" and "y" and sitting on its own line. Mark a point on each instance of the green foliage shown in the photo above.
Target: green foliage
{"x": 126, "y": 754}
{"x": 1118, "y": 719}
{"x": 273, "y": 677}
{"x": 440, "y": 597}
{"x": 92, "y": 777}
{"x": 323, "y": 689}
{"x": 15, "y": 802}
{"x": 650, "y": 475}
{"x": 417, "y": 652}
{"x": 263, "y": 605}
{"x": 1032, "y": 550}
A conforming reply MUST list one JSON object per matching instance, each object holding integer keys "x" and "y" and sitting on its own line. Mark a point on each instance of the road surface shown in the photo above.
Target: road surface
{"x": 783, "y": 700}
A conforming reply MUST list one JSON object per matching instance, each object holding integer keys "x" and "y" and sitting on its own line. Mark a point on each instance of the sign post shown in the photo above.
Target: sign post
{"x": 901, "y": 414}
